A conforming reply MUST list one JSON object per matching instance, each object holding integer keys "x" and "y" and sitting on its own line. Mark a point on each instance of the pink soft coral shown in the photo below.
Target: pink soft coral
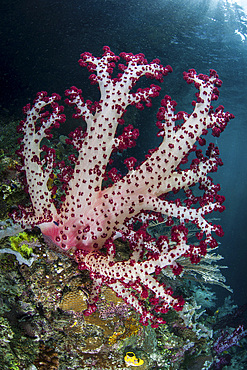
{"x": 92, "y": 217}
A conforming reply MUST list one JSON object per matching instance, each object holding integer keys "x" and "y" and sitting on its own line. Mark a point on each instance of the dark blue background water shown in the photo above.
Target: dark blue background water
{"x": 41, "y": 42}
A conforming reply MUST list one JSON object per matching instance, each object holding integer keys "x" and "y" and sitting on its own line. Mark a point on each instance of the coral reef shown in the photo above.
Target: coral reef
{"x": 42, "y": 322}
{"x": 43, "y": 295}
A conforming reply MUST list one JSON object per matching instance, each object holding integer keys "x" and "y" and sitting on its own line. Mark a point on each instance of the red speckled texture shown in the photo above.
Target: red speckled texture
{"x": 91, "y": 215}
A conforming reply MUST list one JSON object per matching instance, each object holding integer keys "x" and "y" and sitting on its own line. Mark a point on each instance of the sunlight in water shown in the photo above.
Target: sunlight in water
{"x": 242, "y": 3}
{"x": 234, "y": 9}
{"x": 240, "y": 7}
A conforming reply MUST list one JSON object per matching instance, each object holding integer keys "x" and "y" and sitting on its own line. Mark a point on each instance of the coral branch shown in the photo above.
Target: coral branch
{"x": 35, "y": 127}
